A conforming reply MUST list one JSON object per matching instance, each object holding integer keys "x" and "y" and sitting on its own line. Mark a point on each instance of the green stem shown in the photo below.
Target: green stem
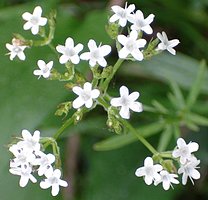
{"x": 139, "y": 136}
{"x": 115, "y": 69}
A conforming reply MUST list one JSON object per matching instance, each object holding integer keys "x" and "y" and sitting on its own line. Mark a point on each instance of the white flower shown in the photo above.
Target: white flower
{"x": 131, "y": 46}
{"x": 45, "y": 69}
{"x": 122, "y": 14}
{"x": 85, "y": 95}
{"x": 166, "y": 178}
{"x": 16, "y": 49}
{"x": 127, "y": 101}
{"x": 69, "y": 51}
{"x": 25, "y": 174}
{"x": 34, "y": 20}
{"x": 30, "y": 142}
{"x": 22, "y": 156}
{"x": 141, "y": 24}
{"x": 96, "y": 54}
{"x": 149, "y": 171}
{"x": 188, "y": 170}
{"x": 167, "y": 44}
{"x": 184, "y": 150}
{"x": 44, "y": 161}
{"x": 53, "y": 180}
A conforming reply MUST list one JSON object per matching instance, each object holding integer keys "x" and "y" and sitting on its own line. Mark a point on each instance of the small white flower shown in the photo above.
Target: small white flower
{"x": 30, "y": 142}
{"x": 85, "y": 95}
{"x": 167, "y": 44}
{"x": 34, "y": 20}
{"x": 141, "y": 24}
{"x": 96, "y": 54}
{"x": 184, "y": 150}
{"x": 45, "y": 69}
{"x": 69, "y": 51}
{"x": 25, "y": 174}
{"x": 16, "y": 50}
{"x": 22, "y": 156}
{"x": 131, "y": 46}
{"x": 127, "y": 101}
{"x": 166, "y": 179}
{"x": 149, "y": 171}
{"x": 53, "y": 180}
{"x": 189, "y": 170}
{"x": 122, "y": 14}
{"x": 44, "y": 161}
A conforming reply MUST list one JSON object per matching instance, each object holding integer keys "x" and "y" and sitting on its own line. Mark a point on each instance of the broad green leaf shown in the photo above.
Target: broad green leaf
{"x": 118, "y": 141}
{"x": 165, "y": 67}
{"x": 165, "y": 138}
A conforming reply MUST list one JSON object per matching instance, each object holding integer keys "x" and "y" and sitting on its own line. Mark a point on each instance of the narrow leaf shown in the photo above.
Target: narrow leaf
{"x": 165, "y": 138}
{"x": 196, "y": 87}
{"x": 198, "y": 119}
{"x": 118, "y": 141}
{"x": 178, "y": 94}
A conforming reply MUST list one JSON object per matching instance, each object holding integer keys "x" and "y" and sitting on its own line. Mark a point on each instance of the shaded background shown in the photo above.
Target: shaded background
{"x": 26, "y": 102}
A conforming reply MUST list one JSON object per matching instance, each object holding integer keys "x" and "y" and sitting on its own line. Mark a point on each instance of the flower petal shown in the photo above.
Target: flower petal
{"x": 124, "y": 112}
{"x": 77, "y": 103}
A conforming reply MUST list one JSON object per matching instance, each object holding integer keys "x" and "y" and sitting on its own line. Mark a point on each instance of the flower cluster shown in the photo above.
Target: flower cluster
{"x": 132, "y": 43}
{"x": 160, "y": 174}
{"x": 29, "y": 159}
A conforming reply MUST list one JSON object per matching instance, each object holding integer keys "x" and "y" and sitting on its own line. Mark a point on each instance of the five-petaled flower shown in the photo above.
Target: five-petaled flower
{"x": 149, "y": 171}
{"x": 85, "y": 95}
{"x": 16, "y": 49}
{"x": 45, "y": 69}
{"x": 167, "y": 44}
{"x": 166, "y": 179}
{"x": 189, "y": 170}
{"x": 69, "y": 51}
{"x": 184, "y": 150}
{"x": 53, "y": 180}
{"x": 127, "y": 101}
{"x": 96, "y": 54}
{"x": 141, "y": 24}
{"x": 122, "y": 15}
{"x": 34, "y": 20}
{"x": 25, "y": 173}
{"x": 131, "y": 46}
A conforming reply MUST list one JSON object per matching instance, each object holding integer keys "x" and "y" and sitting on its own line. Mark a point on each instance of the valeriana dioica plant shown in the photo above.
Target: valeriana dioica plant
{"x": 128, "y": 28}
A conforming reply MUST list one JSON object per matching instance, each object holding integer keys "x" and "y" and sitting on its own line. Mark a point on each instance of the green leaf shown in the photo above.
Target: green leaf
{"x": 195, "y": 90}
{"x": 159, "y": 107}
{"x": 165, "y": 138}
{"x": 118, "y": 141}
{"x": 180, "y": 101}
{"x": 165, "y": 67}
{"x": 198, "y": 119}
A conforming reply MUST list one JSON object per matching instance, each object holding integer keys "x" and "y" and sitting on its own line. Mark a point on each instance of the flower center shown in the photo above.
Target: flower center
{"x": 53, "y": 180}
{"x": 130, "y": 45}
{"x": 16, "y": 49}
{"x": 34, "y": 20}
{"x": 149, "y": 171}
{"x": 85, "y": 96}
{"x": 44, "y": 70}
{"x": 184, "y": 151}
{"x": 122, "y": 14}
{"x": 124, "y": 101}
{"x": 70, "y": 52}
{"x": 140, "y": 23}
{"x": 95, "y": 54}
